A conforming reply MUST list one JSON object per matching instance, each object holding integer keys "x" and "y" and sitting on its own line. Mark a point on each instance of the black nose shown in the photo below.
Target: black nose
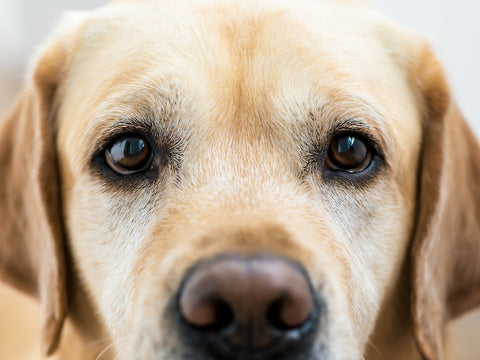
{"x": 252, "y": 308}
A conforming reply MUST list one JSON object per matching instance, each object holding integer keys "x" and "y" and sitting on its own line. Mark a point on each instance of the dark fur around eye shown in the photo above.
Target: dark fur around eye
{"x": 135, "y": 154}
{"x": 347, "y": 157}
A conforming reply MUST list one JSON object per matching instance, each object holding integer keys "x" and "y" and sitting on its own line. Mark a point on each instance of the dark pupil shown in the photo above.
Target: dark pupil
{"x": 349, "y": 152}
{"x": 129, "y": 153}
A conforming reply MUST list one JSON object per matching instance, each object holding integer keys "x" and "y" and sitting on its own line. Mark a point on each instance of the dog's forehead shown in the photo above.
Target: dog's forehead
{"x": 241, "y": 61}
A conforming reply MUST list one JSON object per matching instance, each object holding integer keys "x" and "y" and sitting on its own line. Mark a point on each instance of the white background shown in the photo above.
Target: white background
{"x": 454, "y": 27}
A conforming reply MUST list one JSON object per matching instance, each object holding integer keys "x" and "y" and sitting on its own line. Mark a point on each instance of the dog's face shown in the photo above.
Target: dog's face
{"x": 202, "y": 145}
{"x": 242, "y": 113}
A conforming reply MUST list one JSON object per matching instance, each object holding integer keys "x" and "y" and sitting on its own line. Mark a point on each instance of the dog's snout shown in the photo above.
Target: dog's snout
{"x": 254, "y": 306}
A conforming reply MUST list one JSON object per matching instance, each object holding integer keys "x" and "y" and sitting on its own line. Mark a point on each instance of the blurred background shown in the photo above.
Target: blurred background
{"x": 453, "y": 26}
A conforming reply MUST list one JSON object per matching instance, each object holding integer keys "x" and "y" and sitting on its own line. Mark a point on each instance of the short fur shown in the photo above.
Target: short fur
{"x": 243, "y": 94}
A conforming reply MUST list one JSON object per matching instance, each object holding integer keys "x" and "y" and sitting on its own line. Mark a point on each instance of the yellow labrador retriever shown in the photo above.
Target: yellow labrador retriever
{"x": 229, "y": 179}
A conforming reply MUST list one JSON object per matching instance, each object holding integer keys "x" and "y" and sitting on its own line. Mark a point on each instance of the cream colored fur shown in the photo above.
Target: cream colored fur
{"x": 246, "y": 86}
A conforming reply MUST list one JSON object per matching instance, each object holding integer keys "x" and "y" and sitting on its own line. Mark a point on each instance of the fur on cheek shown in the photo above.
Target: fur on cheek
{"x": 106, "y": 250}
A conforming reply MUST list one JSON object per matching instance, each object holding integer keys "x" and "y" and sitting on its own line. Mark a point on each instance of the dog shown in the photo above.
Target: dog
{"x": 240, "y": 180}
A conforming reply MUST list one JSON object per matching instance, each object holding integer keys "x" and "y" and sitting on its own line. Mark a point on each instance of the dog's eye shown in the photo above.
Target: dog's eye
{"x": 129, "y": 154}
{"x": 348, "y": 153}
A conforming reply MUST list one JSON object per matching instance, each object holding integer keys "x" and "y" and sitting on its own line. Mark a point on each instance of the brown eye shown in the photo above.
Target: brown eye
{"x": 128, "y": 155}
{"x": 348, "y": 153}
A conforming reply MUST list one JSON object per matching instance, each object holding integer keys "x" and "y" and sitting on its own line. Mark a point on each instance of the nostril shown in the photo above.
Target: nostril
{"x": 275, "y": 318}
{"x": 219, "y": 316}
{"x": 224, "y": 316}
{"x": 285, "y": 315}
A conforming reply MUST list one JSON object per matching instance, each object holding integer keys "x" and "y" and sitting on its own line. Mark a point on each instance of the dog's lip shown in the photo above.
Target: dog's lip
{"x": 282, "y": 340}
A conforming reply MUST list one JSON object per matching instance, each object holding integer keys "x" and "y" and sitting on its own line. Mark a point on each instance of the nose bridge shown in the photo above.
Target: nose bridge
{"x": 241, "y": 174}
{"x": 236, "y": 197}
{"x": 239, "y": 196}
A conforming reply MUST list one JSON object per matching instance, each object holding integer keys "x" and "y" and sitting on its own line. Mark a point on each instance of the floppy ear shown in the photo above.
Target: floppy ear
{"x": 446, "y": 248}
{"x": 31, "y": 244}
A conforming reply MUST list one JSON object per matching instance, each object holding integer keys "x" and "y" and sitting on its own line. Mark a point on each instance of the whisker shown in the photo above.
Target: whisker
{"x": 110, "y": 346}
{"x": 376, "y": 349}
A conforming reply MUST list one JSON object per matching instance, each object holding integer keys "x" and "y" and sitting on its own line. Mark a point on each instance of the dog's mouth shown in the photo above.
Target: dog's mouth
{"x": 241, "y": 342}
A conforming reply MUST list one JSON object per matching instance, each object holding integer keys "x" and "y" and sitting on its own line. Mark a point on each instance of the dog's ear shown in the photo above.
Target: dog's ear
{"x": 31, "y": 235}
{"x": 446, "y": 247}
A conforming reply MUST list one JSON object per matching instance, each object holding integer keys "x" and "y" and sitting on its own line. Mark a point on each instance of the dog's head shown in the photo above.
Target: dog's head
{"x": 236, "y": 180}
